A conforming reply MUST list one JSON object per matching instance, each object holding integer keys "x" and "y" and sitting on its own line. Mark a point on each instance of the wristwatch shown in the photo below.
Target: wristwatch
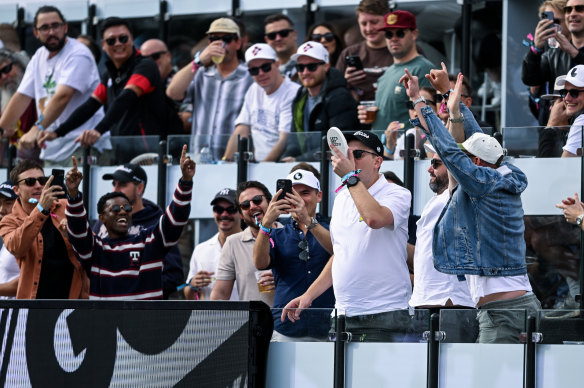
{"x": 314, "y": 222}
{"x": 579, "y": 219}
{"x": 353, "y": 180}
{"x": 421, "y": 99}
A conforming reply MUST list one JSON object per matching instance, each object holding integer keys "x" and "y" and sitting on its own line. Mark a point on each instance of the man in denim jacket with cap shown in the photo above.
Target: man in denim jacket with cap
{"x": 480, "y": 233}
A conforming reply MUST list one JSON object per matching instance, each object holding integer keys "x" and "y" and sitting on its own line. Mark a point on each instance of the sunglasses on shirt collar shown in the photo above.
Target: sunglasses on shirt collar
{"x": 123, "y": 39}
{"x": 227, "y": 39}
{"x": 257, "y": 200}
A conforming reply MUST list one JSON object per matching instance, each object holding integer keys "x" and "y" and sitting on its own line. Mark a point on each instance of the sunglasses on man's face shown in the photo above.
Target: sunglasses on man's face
{"x": 123, "y": 39}
{"x": 220, "y": 209}
{"x": 32, "y": 181}
{"x": 435, "y": 163}
{"x": 257, "y": 200}
{"x": 266, "y": 68}
{"x": 572, "y": 92}
{"x": 117, "y": 208}
{"x": 156, "y": 56}
{"x": 311, "y": 67}
{"x": 7, "y": 69}
{"x": 283, "y": 33}
{"x": 358, "y": 154}
{"x": 578, "y": 8}
{"x": 329, "y": 37}
{"x": 227, "y": 39}
{"x": 399, "y": 33}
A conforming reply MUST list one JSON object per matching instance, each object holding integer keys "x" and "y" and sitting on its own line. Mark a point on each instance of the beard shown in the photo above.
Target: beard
{"x": 439, "y": 184}
{"x": 53, "y": 47}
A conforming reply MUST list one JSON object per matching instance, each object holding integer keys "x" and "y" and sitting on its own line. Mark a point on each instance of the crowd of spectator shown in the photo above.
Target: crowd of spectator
{"x": 469, "y": 247}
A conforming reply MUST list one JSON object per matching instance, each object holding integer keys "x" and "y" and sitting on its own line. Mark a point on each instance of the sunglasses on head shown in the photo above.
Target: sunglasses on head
{"x": 283, "y": 33}
{"x": 572, "y": 92}
{"x": 117, "y": 208}
{"x": 7, "y": 69}
{"x": 304, "y": 254}
{"x": 32, "y": 181}
{"x": 410, "y": 104}
{"x": 225, "y": 38}
{"x": 48, "y": 27}
{"x": 399, "y": 33}
{"x": 329, "y": 37}
{"x": 578, "y": 8}
{"x": 435, "y": 163}
{"x": 309, "y": 66}
{"x": 358, "y": 154}
{"x": 122, "y": 39}
{"x": 156, "y": 56}
{"x": 220, "y": 209}
{"x": 257, "y": 200}
{"x": 266, "y": 68}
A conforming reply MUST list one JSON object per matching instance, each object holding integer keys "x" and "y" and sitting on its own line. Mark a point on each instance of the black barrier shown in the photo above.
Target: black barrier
{"x": 162, "y": 174}
{"x": 242, "y": 160}
{"x": 409, "y": 167}
{"x": 133, "y": 343}
{"x": 530, "y": 354}
{"x": 433, "y": 352}
{"x": 340, "y": 338}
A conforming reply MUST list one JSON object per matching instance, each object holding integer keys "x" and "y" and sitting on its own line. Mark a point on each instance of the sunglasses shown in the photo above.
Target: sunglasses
{"x": 435, "y": 163}
{"x": 358, "y": 154}
{"x": 123, "y": 39}
{"x": 156, "y": 56}
{"x": 32, "y": 181}
{"x": 572, "y": 92}
{"x": 578, "y": 8}
{"x": 257, "y": 200}
{"x": 266, "y": 68}
{"x": 410, "y": 104}
{"x": 329, "y": 37}
{"x": 47, "y": 27}
{"x": 117, "y": 208}
{"x": 227, "y": 39}
{"x": 304, "y": 254}
{"x": 283, "y": 33}
{"x": 7, "y": 69}
{"x": 220, "y": 209}
{"x": 310, "y": 66}
{"x": 399, "y": 33}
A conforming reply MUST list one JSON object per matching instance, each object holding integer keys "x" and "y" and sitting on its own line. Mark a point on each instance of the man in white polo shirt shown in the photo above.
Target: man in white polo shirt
{"x": 369, "y": 231}
{"x": 267, "y": 108}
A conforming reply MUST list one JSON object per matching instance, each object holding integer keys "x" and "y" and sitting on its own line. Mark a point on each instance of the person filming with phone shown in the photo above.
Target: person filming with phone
{"x": 297, "y": 254}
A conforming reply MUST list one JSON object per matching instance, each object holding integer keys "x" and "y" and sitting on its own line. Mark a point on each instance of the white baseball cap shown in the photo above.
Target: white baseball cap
{"x": 484, "y": 146}
{"x": 558, "y": 85}
{"x": 260, "y": 51}
{"x": 576, "y": 76}
{"x": 304, "y": 177}
{"x": 429, "y": 147}
{"x": 313, "y": 50}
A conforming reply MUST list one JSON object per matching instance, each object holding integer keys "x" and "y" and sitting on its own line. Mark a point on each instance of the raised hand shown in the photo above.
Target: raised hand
{"x": 187, "y": 166}
{"x": 342, "y": 164}
{"x": 49, "y": 194}
{"x": 454, "y": 99}
{"x": 411, "y": 84}
{"x": 298, "y": 210}
{"x": 73, "y": 179}
{"x": 439, "y": 79}
{"x": 275, "y": 209}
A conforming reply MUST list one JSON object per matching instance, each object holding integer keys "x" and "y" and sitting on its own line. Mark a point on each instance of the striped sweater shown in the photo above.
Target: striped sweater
{"x": 129, "y": 268}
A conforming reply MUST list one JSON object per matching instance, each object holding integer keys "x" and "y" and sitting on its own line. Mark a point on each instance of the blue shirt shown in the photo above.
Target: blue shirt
{"x": 293, "y": 276}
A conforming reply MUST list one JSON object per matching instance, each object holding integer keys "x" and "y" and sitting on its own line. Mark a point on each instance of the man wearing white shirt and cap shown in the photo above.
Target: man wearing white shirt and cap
{"x": 267, "y": 107}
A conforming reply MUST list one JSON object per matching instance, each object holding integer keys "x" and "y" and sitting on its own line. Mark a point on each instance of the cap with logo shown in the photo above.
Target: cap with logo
{"x": 226, "y": 194}
{"x": 558, "y": 85}
{"x": 260, "y": 51}
{"x": 369, "y": 139}
{"x": 128, "y": 173}
{"x": 224, "y": 25}
{"x": 304, "y": 177}
{"x": 399, "y": 20}
{"x": 313, "y": 50}
{"x": 7, "y": 190}
{"x": 576, "y": 76}
{"x": 484, "y": 146}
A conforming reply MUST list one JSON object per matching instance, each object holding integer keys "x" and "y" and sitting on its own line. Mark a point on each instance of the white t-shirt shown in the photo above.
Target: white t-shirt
{"x": 575, "y": 136}
{"x": 206, "y": 258}
{"x": 8, "y": 267}
{"x": 370, "y": 274}
{"x": 431, "y": 287}
{"x": 75, "y": 67}
{"x": 485, "y": 285}
{"x": 267, "y": 115}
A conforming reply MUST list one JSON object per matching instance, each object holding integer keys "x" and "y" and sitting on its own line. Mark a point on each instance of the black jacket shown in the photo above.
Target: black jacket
{"x": 335, "y": 107}
{"x": 541, "y": 68}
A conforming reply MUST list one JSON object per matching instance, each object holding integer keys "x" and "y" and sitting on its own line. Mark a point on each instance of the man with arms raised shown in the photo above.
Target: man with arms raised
{"x": 267, "y": 109}
{"x": 369, "y": 230}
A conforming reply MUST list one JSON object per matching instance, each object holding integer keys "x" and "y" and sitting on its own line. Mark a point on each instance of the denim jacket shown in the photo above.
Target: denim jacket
{"x": 480, "y": 230}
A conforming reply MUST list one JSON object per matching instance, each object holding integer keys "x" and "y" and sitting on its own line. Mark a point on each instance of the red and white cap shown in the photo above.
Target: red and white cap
{"x": 313, "y": 50}
{"x": 260, "y": 51}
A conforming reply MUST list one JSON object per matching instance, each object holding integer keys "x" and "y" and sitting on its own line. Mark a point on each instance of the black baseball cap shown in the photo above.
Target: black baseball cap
{"x": 369, "y": 139}
{"x": 226, "y": 194}
{"x": 129, "y": 172}
{"x": 7, "y": 190}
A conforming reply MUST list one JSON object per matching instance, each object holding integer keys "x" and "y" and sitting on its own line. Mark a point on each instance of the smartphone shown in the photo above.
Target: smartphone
{"x": 354, "y": 61}
{"x": 59, "y": 180}
{"x": 285, "y": 185}
{"x": 549, "y": 15}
